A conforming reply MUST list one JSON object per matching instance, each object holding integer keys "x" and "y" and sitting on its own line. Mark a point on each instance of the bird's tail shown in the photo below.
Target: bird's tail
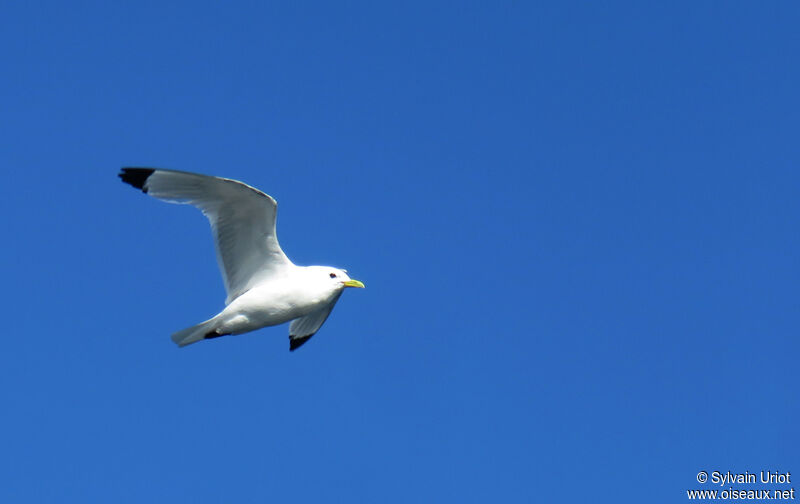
{"x": 195, "y": 333}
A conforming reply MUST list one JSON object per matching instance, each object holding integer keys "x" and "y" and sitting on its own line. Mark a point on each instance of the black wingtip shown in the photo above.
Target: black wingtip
{"x": 136, "y": 177}
{"x": 296, "y": 342}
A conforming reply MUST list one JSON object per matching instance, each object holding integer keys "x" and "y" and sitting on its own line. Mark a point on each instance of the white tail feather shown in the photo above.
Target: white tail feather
{"x": 193, "y": 334}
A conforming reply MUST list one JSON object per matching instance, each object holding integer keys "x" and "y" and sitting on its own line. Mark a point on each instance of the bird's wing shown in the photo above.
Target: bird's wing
{"x": 242, "y": 220}
{"x": 301, "y": 329}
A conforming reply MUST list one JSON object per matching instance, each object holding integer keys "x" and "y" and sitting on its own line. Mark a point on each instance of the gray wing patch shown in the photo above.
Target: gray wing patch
{"x": 303, "y": 328}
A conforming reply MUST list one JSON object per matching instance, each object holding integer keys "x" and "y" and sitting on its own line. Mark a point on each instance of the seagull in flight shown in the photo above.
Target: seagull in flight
{"x": 264, "y": 287}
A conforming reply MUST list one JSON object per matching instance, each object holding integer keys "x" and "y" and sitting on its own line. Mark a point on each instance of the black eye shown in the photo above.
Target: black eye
{"x": 333, "y": 275}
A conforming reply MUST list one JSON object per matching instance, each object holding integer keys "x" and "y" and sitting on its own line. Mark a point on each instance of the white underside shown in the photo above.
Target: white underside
{"x": 271, "y": 304}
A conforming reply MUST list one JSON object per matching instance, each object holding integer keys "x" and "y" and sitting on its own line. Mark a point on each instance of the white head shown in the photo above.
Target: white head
{"x": 333, "y": 278}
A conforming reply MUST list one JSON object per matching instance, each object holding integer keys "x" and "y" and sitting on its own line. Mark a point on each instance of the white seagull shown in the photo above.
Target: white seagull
{"x": 264, "y": 287}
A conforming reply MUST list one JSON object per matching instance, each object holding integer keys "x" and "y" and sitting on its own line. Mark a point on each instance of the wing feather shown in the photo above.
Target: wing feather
{"x": 242, "y": 221}
{"x": 301, "y": 329}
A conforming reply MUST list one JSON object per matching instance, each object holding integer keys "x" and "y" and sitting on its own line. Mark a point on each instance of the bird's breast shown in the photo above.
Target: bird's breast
{"x": 273, "y": 305}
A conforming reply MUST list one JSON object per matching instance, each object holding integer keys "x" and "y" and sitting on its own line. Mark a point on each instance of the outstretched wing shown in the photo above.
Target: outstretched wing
{"x": 242, "y": 220}
{"x": 301, "y": 329}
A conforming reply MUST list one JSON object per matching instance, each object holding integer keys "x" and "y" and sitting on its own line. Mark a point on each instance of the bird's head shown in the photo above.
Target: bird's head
{"x": 331, "y": 280}
{"x": 340, "y": 278}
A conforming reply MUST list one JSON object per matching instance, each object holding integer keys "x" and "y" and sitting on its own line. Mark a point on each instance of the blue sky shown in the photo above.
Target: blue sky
{"x": 577, "y": 224}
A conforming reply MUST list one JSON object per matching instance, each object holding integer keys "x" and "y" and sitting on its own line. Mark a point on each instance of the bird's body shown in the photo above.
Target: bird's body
{"x": 275, "y": 302}
{"x": 264, "y": 287}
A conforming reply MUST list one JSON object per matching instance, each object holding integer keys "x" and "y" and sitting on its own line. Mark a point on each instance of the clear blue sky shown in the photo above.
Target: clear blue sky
{"x": 577, "y": 224}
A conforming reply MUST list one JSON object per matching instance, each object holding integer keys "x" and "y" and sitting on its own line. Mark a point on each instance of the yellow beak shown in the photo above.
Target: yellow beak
{"x": 353, "y": 283}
